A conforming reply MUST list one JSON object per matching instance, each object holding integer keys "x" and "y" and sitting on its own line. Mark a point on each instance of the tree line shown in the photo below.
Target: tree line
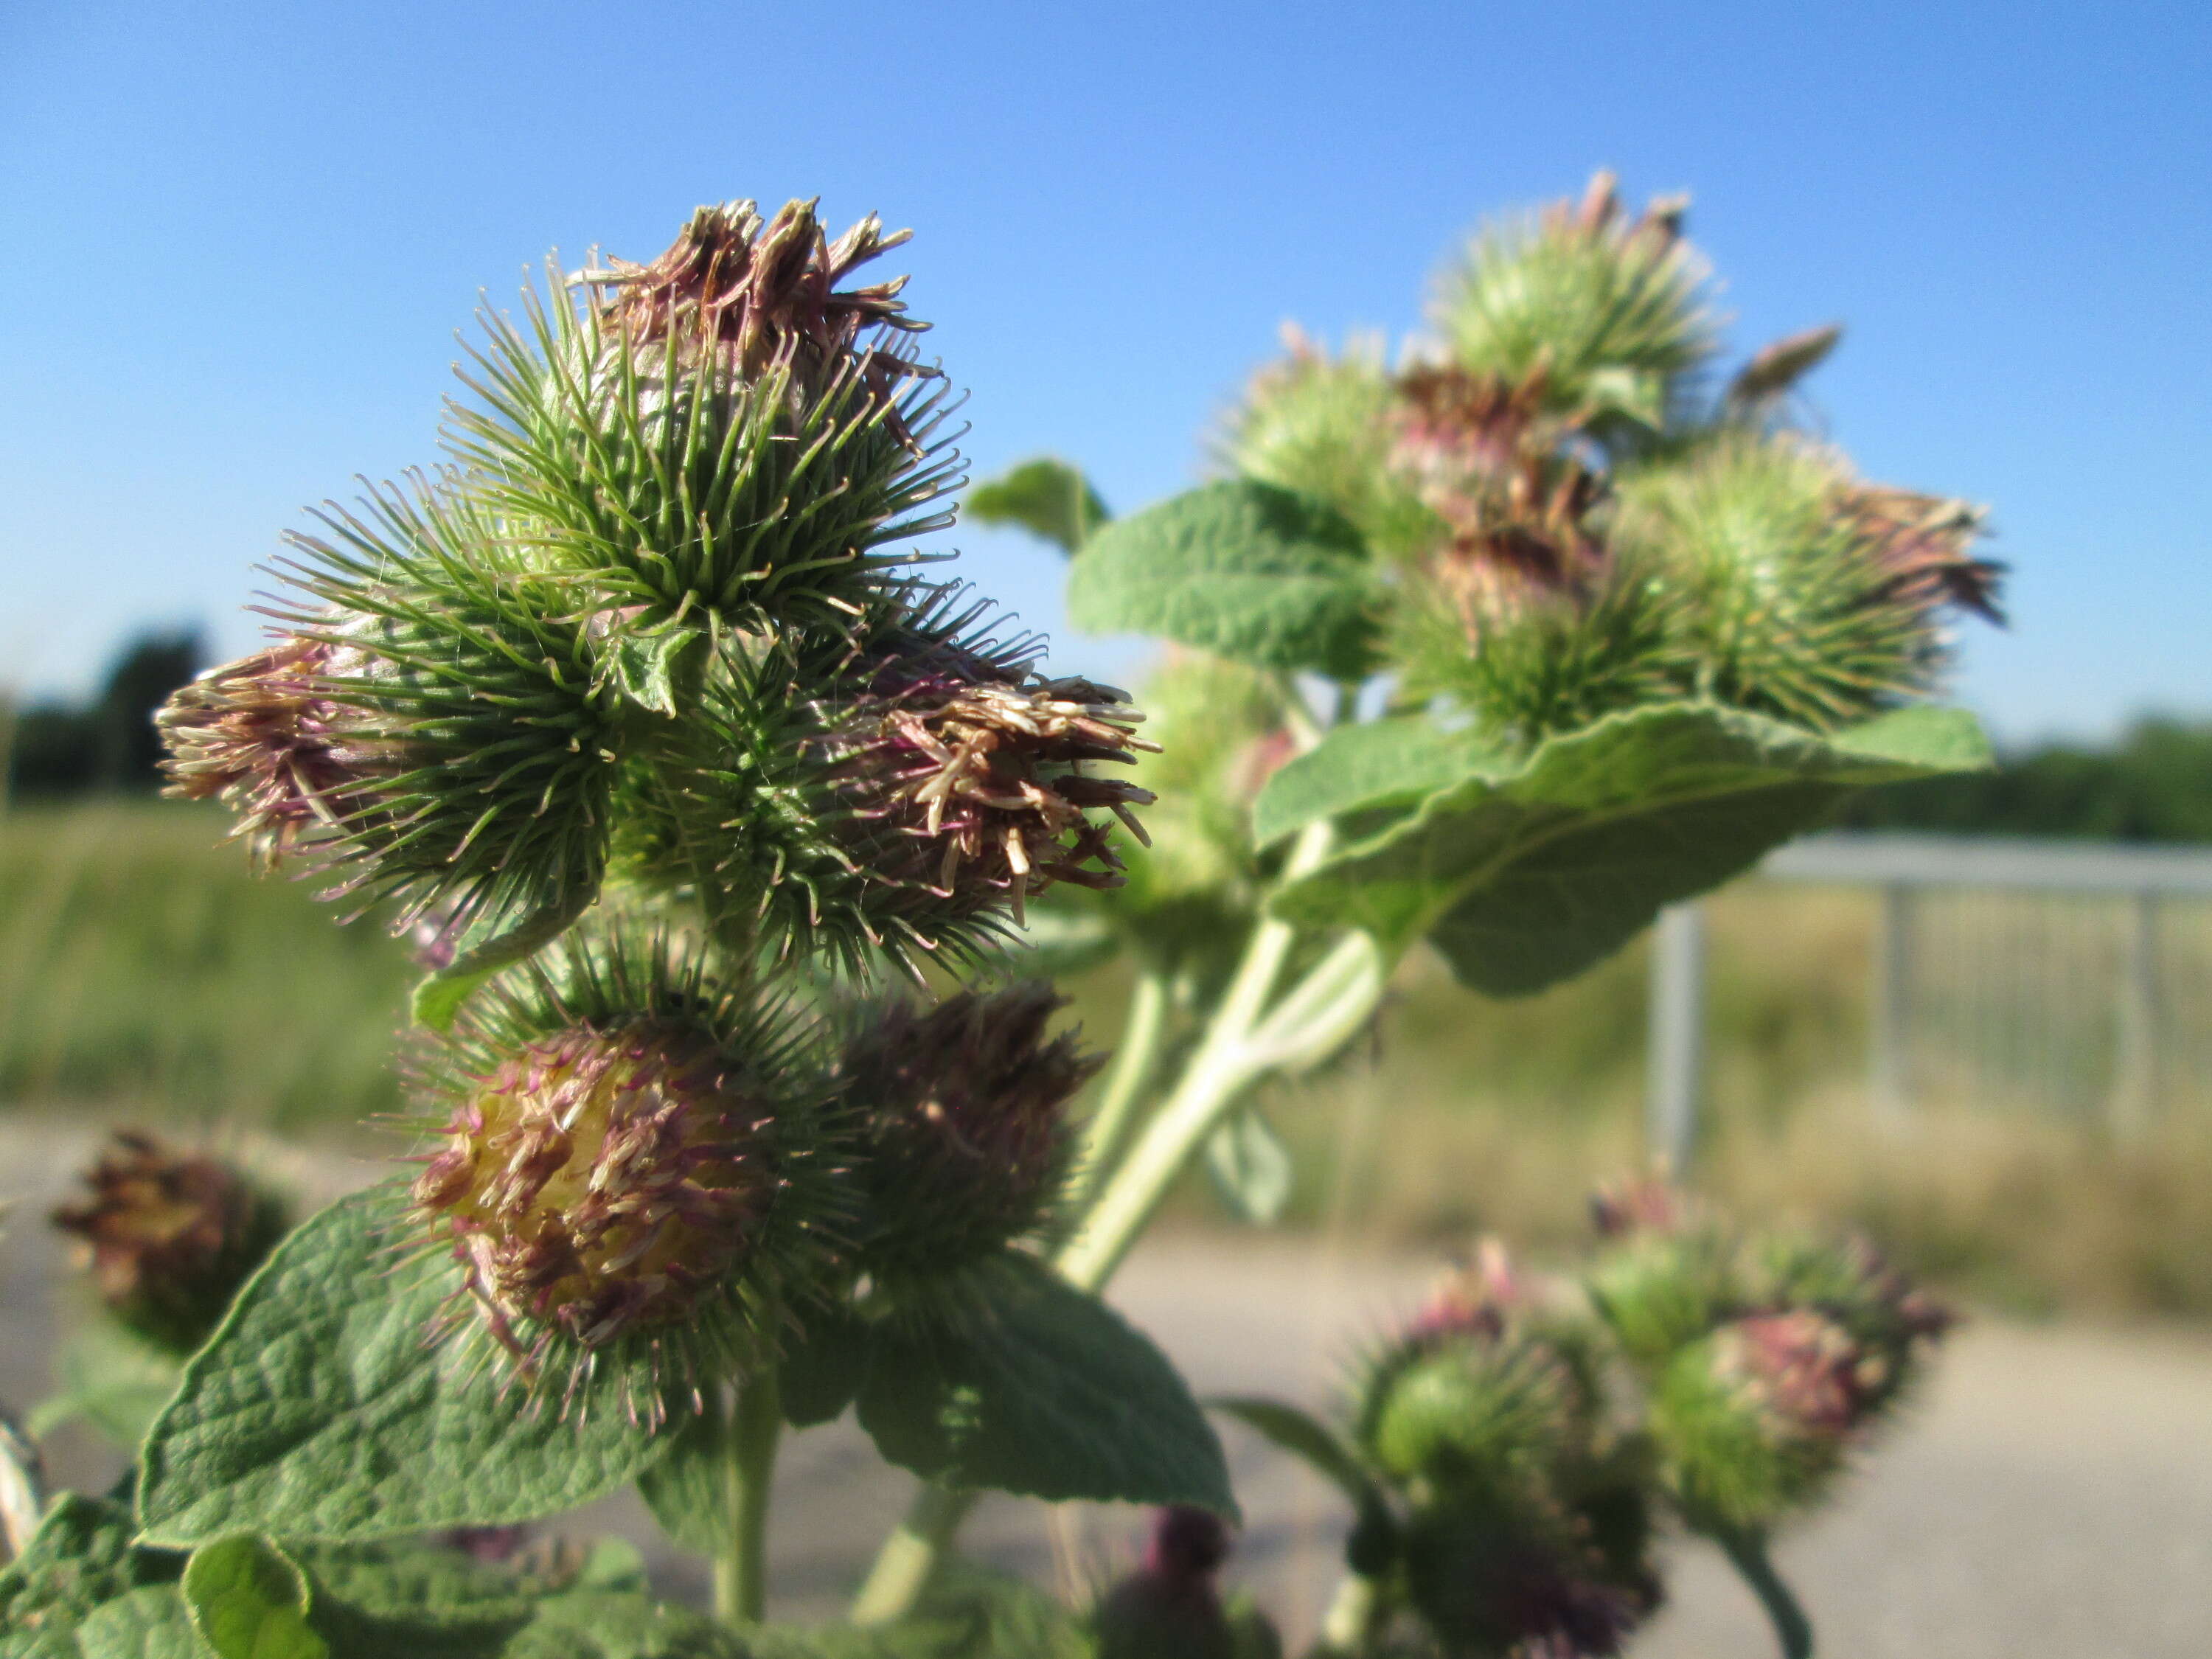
{"x": 2152, "y": 783}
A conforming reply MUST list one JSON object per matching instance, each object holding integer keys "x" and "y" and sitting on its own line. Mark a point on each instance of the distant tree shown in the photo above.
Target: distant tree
{"x": 128, "y": 750}
{"x": 2155, "y": 784}
{"x": 61, "y": 748}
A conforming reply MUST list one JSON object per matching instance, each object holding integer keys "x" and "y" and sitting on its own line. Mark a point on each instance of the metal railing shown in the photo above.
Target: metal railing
{"x": 1909, "y": 873}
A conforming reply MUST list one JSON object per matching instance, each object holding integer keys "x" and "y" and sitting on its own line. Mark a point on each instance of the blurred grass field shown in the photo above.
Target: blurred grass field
{"x": 145, "y": 976}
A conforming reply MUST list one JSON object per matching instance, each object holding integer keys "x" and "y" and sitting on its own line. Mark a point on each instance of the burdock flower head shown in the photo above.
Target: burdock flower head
{"x": 1485, "y": 458}
{"x": 983, "y": 771}
{"x": 1754, "y": 1421}
{"x": 960, "y": 1118}
{"x": 630, "y": 1163}
{"x": 265, "y": 736}
{"x": 168, "y": 1237}
{"x": 1520, "y": 609}
{"x": 761, "y": 291}
{"x": 1527, "y": 1530}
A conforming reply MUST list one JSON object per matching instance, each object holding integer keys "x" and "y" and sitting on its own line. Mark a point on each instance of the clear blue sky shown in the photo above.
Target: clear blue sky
{"x": 241, "y": 237}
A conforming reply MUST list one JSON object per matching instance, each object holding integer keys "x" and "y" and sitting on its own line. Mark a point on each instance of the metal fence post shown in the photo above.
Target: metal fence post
{"x": 1890, "y": 1062}
{"x": 2136, "y": 1083}
{"x": 1678, "y": 1036}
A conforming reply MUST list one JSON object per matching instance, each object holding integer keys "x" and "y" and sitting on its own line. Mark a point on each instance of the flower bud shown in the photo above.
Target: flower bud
{"x": 169, "y": 1238}
{"x": 1797, "y": 592}
{"x": 1613, "y": 308}
{"x": 1529, "y": 1586}
{"x": 265, "y": 736}
{"x": 980, "y": 771}
{"x": 1672, "y": 1273}
{"x": 630, "y": 1165}
{"x": 722, "y": 436}
{"x": 1753, "y": 1421}
{"x": 1172, "y": 1608}
{"x": 598, "y": 1182}
{"x": 1484, "y": 1388}
{"x": 960, "y": 1116}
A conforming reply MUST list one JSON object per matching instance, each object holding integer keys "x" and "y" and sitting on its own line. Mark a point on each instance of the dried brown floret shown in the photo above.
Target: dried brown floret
{"x": 984, "y": 775}
{"x": 264, "y": 735}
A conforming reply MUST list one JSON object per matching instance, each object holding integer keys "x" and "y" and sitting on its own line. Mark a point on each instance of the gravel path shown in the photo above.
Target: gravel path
{"x": 2050, "y": 1499}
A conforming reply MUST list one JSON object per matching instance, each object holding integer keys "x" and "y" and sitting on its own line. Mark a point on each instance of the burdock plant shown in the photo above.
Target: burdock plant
{"x": 742, "y": 843}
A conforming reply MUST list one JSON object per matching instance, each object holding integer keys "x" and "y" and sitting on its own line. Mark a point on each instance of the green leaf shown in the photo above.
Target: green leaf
{"x": 1042, "y": 1390}
{"x": 321, "y": 1410}
{"x": 688, "y": 1488}
{"x": 643, "y": 666}
{"x": 414, "y": 1596}
{"x": 1306, "y": 1437}
{"x": 1250, "y": 1166}
{"x": 249, "y": 1601}
{"x": 1524, "y": 878}
{"x": 822, "y": 1369}
{"x": 80, "y": 1556}
{"x": 1046, "y": 497}
{"x": 605, "y": 1625}
{"x": 1377, "y": 767}
{"x": 150, "y": 1623}
{"x": 1247, "y": 570}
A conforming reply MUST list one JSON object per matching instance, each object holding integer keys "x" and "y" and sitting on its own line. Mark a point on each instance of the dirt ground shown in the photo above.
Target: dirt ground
{"x": 2050, "y": 1498}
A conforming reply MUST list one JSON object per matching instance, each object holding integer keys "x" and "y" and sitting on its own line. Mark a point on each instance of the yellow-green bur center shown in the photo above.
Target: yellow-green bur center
{"x": 597, "y": 1181}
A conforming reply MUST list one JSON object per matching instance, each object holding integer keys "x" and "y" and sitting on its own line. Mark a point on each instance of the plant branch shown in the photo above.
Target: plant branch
{"x": 909, "y": 1557}
{"x": 1747, "y": 1553}
{"x": 1226, "y": 1063}
{"x": 741, "y": 1573}
{"x": 1135, "y": 1060}
{"x": 1337, "y": 993}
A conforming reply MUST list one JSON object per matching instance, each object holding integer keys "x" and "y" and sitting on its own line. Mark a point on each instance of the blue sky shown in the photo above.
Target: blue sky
{"x": 242, "y": 237}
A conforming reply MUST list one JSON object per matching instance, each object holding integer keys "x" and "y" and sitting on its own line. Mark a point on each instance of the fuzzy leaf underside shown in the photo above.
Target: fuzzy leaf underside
{"x": 1044, "y": 1391}
{"x": 110, "y": 1378}
{"x": 688, "y": 1490}
{"x": 320, "y": 1409}
{"x": 1373, "y": 768}
{"x": 1249, "y": 571}
{"x": 1522, "y": 877}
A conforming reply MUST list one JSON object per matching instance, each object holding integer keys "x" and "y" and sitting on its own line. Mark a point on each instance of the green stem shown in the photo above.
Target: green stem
{"x": 741, "y": 1572}
{"x": 1134, "y": 1061}
{"x": 1226, "y": 1063}
{"x": 1747, "y": 1553}
{"x": 1240, "y": 1045}
{"x": 910, "y": 1556}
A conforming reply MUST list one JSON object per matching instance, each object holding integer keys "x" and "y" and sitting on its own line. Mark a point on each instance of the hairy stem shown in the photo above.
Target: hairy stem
{"x": 1226, "y": 1063}
{"x": 741, "y": 1572}
{"x": 1746, "y": 1553}
{"x": 1240, "y": 1045}
{"x": 1134, "y": 1061}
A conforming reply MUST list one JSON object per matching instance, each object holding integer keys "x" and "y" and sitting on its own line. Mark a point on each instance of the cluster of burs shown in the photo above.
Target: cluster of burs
{"x": 641, "y": 715}
{"x": 1517, "y": 1446}
{"x": 1578, "y": 512}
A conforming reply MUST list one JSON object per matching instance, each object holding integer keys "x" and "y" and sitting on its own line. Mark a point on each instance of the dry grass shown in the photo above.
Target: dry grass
{"x": 143, "y": 972}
